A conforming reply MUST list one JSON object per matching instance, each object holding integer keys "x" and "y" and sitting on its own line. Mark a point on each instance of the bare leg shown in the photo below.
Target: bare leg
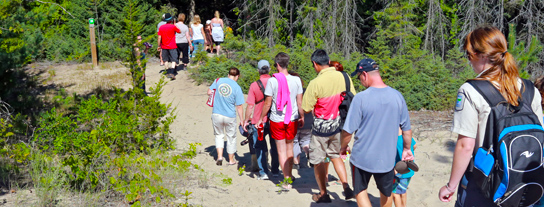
{"x": 282, "y": 156}
{"x": 340, "y": 170}
{"x": 397, "y": 200}
{"x": 385, "y": 201}
{"x": 219, "y": 153}
{"x": 296, "y": 160}
{"x": 306, "y": 149}
{"x": 217, "y": 49}
{"x": 289, "y": 158}
{"x": 160, "y": 55}
{"x": 231, "y": 159}
{"x": 404, "y": 198}
{"x": 320, "y": 171}
{"x": 363, "y": 200}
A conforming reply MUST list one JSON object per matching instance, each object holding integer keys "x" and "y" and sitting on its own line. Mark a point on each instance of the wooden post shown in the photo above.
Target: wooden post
{"x": 93, "y": 43}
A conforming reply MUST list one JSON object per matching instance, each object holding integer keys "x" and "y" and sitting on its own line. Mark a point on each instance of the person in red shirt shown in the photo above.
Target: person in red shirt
{"x": 167, "y": 42}
{"x": 255, "y": 102}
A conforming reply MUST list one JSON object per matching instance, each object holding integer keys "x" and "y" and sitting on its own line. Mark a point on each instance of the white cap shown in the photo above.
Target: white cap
{"x": 208, "y": 21}
{"x": 262, "y": 63}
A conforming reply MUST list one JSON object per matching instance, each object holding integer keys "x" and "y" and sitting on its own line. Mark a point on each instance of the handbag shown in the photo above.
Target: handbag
{"x": 212, "y": 96}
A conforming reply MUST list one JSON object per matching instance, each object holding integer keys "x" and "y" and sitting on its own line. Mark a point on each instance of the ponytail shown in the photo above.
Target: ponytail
{"x": 491, "y": 43}
{"x": 509, "y": 79}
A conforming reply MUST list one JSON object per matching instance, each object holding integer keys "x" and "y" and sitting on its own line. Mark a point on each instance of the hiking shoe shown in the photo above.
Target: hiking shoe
{"x": 348, "y": 193}
{"x": 262, "y": 177}
{"x": 321, "y": 199}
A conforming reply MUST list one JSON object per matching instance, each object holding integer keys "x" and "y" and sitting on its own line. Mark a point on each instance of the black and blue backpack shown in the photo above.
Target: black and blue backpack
{"x": 508, "y": 167}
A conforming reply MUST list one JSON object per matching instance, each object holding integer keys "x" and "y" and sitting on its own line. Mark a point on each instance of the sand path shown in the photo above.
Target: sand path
{"x": 193, "y": 124}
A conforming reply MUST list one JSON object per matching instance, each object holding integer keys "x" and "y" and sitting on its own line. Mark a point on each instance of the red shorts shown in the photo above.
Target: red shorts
{"x": 280, "y": 131}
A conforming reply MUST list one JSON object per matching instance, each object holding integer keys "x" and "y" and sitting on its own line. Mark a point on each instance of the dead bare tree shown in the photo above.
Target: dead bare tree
{"x": 191, "y": 10}
{"x": 435, "y": 36}
{"x": 531, "y": 13}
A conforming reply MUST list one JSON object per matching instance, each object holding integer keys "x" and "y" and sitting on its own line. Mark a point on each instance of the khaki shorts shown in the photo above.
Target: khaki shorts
{"x": 323, "y": 147}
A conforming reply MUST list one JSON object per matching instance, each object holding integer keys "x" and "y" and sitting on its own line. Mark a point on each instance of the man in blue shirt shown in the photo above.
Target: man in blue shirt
{"x": 227, "y": 101}
{"x": 375, "y": 115}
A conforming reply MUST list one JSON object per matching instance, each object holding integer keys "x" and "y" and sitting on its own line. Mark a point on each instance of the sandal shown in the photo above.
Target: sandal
{"x": 219, "y": 162}
{"x": 412, "y": 165}
{"x": 321, "y": 199}
{"x": 235, "y": 162}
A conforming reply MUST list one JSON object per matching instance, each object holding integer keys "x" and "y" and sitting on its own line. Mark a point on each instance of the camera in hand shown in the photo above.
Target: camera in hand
{"x": 244, "y": 142}
{"x": 247, "y": 134}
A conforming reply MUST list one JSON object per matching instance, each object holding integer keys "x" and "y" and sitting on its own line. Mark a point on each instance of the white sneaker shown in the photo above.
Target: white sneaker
{"x": 262, "y": 177}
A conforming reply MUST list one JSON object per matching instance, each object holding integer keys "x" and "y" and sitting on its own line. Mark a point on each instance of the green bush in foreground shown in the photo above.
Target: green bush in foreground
{"x": 87, "y": 137}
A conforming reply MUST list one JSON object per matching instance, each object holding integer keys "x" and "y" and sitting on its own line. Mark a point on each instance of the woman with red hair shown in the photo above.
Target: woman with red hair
{"x": 486, "y": 50}
{"x": 336, "y": 65}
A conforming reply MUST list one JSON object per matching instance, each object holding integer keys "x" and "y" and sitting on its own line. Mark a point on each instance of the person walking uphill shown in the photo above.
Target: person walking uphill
{"x": 255, "y": 102}
{"x": 197, "y": 32}
{"x": 217, "y": 31}
{"x": 162, "y": 22}
{"x": 167, "y": 43}
{"x": 376, "y": 115}
{"x": 228, "y": 101}
{"x": 475, "y": 111}
{"x": 183, "y": 40}
{"x": 283, "y": 98}
{"x": 323, "y": 97}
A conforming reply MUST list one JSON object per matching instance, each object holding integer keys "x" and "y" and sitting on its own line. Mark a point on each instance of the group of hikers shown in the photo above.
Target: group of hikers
{"x": 322, "y": 119}
{"x": 176, "y": 40}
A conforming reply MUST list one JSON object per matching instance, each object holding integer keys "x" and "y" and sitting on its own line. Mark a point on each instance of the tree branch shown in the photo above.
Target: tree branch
{"x": 57, "y": 5}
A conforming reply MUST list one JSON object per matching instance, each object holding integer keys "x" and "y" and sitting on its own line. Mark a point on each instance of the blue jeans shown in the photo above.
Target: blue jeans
{"x": 199, "y": 46}
{"x": 260, "y": 151}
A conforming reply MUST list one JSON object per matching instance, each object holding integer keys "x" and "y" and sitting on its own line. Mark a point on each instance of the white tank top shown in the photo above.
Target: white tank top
{"x": 197, "y": 33}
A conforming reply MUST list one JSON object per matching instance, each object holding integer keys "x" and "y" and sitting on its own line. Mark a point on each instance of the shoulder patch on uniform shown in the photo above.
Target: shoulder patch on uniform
{"x": 460, "y": 102}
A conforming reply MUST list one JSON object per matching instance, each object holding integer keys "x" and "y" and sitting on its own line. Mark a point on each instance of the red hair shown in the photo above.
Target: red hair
{"x": 337, "y": 65}
{"x": 490, "y": 42}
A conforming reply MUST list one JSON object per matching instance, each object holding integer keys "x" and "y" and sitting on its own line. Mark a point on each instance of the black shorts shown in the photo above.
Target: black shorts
{"x": 384, "y": 181}
{"x": 170, "y": 55}
{"x": 217, "y": 43}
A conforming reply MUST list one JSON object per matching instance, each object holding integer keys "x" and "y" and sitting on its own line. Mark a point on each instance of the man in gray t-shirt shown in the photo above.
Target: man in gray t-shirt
{"x": 375, "y": 116}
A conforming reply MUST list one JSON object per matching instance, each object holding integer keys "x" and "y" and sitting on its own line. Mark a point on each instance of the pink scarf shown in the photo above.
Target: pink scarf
{"x": 283, "y": 97}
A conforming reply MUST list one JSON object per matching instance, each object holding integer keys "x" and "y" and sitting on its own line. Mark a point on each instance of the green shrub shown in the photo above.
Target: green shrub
{"x": 97, "y": 129}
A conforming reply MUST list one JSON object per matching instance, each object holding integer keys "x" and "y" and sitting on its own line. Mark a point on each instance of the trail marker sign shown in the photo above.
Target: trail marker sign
{"x": 93, "y": 42}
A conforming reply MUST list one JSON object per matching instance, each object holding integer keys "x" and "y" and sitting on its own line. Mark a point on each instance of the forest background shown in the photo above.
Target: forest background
{"x": 417, "y": 44}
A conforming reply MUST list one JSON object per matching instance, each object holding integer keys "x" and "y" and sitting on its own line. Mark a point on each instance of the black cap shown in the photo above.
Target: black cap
{"x": 365, "y": 65}
{"x": 167, "y": 17}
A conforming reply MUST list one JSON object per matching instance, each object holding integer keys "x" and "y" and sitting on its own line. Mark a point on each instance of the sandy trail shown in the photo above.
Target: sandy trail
{"x": 193, "y": 124}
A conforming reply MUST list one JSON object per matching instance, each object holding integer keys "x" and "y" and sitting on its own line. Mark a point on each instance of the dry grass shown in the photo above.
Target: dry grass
{"x": 82, "y": 78}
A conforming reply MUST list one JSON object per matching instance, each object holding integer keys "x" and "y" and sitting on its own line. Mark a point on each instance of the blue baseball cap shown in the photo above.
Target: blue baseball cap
{"x": 366, "y": 64}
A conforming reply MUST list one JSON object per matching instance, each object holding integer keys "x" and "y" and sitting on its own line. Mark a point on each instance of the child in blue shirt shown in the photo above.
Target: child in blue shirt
{"x": 402, "y": 180}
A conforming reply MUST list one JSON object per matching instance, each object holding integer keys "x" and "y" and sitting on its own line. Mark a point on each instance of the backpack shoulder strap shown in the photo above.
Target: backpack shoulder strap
{"x": 528, "y": 91}
{"x": 488, "y": 91}
{"x": 346, "y": 79}
{"x": 261, "y": 86}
